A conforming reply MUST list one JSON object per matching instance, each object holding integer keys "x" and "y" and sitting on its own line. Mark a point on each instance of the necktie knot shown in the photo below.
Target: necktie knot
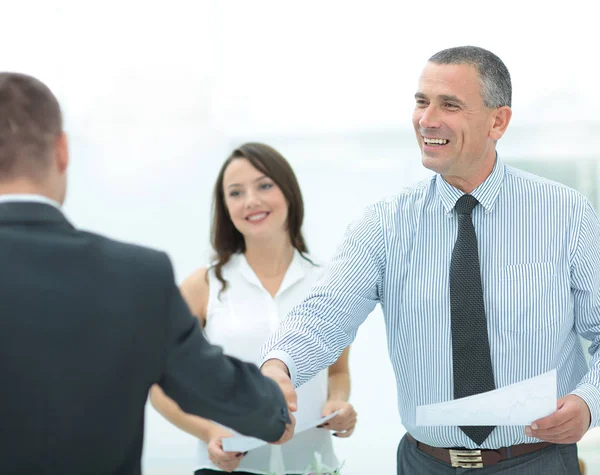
{"x": 465, "y": 204}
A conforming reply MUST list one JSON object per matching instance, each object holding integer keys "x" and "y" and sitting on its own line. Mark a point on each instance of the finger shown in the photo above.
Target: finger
{"x": 285, "y": 384}
{"x": 221, "y": 455}
{"x": 562, "y": 415}
{"x": 565, "y": 432}
{"x": 553, "y": 432}
{"x": 289, "y": 430}
{"x": 217, "y": 462}
{"x": 352, "y": 423}
{"x": 341, "y": 412}
{"x": 226, "y": 463}
{"x": 342, "y": 424}
{"x": 288, "y": 434}
{"x": 344, "y": 433}
{"x": 341, "y": 428}
{"x": 228, "y": 467}
{"x": 554, "y": 420}
{"x": 555, "y": 425}
{"x": 292, "y": 425}
{"x": 334, "y": 421}
{"x": 571, "y": 436}
{"x": 290, "y": 396}
{"x": 225, "y": 456}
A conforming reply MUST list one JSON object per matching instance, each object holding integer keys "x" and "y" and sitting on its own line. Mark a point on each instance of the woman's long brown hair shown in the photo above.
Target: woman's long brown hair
{"x": 226, "y": 240}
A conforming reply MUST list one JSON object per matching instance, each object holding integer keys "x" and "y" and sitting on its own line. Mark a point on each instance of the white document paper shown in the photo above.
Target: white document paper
{"x": 515, "y": 405}
{"x": 243, "y": 443}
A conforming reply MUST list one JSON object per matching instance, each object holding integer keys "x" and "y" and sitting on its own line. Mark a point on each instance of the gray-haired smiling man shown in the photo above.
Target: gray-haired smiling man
{"x": 486, "y": 276}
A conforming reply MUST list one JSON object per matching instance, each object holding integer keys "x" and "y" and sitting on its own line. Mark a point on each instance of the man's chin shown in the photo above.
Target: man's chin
{"x": 435, "y": 164}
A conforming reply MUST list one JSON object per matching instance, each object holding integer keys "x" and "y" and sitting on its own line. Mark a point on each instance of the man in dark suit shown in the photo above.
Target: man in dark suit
{"x": 88, "y": 324}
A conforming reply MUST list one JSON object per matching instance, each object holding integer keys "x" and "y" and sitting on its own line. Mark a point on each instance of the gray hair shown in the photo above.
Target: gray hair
{"x": 496, "y": 88}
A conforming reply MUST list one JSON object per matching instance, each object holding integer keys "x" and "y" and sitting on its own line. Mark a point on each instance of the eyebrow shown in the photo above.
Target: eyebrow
{"x": 443, "y": 98}
{"x": 253, "y": 181}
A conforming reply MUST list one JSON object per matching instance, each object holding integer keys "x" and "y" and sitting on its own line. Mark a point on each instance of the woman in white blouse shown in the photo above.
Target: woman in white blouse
{"x": 261, "y": 271}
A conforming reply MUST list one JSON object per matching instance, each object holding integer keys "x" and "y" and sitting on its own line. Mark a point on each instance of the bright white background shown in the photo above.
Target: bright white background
{"x": 157, "y": 93}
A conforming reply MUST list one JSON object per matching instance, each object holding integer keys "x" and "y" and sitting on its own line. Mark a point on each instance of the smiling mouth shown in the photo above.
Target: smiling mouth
{"x": 433, "y": 142}
{"x": 257, "y": 217}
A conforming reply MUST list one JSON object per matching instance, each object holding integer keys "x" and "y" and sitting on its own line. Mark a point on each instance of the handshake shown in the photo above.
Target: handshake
{"x": 278, "y": 372}
{"x": 342, "y": 424}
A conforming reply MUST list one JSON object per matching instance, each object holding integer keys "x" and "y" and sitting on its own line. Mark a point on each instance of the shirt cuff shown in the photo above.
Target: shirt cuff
{"x": 591, "y": 395}
{"x": 286, "y": 359}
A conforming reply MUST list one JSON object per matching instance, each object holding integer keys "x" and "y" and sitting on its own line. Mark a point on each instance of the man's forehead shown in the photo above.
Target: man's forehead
{"x": 449, "y": 79}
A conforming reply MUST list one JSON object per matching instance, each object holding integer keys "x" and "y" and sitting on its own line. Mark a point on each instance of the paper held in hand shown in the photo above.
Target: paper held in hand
{"x": 518, "y": 404}
{"x": 242, "y": 443}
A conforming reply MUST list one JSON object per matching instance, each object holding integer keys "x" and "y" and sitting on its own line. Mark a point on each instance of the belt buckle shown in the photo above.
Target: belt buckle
{"x": 466, "y": 458}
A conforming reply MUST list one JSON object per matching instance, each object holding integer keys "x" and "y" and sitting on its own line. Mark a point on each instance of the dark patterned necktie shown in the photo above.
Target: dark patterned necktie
{"x": 471, "y": 359}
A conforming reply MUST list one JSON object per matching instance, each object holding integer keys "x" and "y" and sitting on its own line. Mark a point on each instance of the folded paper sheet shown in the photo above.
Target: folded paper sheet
{"x": 242, "y": 443}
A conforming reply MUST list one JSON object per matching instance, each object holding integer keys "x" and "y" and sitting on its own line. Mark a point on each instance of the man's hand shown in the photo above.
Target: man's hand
{"x": 289, "y": 432}
{"x": 278, "y": 372}
{"x": 343, "y": 424}
{"x": 567, "y": 425}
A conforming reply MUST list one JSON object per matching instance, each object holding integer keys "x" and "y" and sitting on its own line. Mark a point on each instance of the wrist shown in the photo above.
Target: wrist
{"x": 337, "y": 398}
{"x": 591, "y": 396}
{"x": 215, "y": 432}
{"x": 338, "y": 394}
{"x": 275, "y": 364}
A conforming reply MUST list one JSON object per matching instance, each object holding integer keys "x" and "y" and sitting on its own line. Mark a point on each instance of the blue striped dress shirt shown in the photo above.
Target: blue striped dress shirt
{"x": 539, "y": 248}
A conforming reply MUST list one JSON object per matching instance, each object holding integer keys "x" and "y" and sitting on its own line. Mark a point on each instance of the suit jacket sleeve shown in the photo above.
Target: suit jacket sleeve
{"x": 205, "y": 382}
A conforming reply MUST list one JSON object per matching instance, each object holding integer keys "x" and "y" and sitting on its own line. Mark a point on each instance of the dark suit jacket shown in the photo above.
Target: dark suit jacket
{"x": 87, "y": 325}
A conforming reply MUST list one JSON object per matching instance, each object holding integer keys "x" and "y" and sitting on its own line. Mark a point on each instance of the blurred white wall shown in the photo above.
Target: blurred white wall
{"x": 157, "y": 93}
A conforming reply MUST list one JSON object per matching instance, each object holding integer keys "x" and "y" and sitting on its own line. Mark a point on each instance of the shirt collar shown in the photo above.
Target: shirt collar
{"x": 30, "y": 198}
{"x": 486, "y": 193}
{"x": 294, "y": 273}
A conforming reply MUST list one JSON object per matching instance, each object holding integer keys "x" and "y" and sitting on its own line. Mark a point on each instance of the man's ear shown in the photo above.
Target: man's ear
{"x": 62, "y": 152}
{"x": 502, "y": 118}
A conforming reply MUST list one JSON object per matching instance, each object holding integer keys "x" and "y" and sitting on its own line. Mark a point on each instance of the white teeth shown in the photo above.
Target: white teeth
{"x": 435, "y": 141}
{"x": 257, "y": 217}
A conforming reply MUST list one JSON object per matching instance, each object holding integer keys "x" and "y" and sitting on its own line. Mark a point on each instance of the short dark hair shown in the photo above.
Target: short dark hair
{"x": 30, "y": 122}
{"x": 226, "y": 240}
{"x": 496, "y": 88}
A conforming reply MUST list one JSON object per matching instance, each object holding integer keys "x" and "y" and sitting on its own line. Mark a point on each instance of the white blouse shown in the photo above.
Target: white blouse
{"x": 240, "y": 320}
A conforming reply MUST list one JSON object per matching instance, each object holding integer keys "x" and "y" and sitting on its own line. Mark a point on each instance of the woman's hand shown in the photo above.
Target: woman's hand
{"x": 342, "y": 424}
{"x": 226, "y": 461}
